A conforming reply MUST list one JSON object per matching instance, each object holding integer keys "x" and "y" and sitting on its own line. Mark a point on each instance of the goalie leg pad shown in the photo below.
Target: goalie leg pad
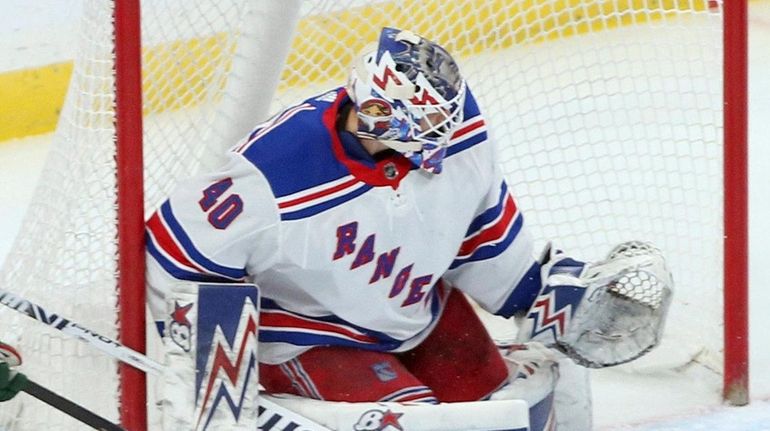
{"x": 534, "y": 375}
{"x": 572, "y": 397}
{"x": 466, "y": 416}
{"x": 533, "y": 372}
{"x": 211, "y": 380}
{"x": 556, "y": 389}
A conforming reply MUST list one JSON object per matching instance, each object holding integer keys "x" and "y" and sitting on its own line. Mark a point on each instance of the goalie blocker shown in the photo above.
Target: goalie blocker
{"x": 605, "y": 313}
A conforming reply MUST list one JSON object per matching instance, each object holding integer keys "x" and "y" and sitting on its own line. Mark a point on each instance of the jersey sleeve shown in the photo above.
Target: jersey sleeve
{"x": 215, "y": 227}
{"x": 495, "y": 264}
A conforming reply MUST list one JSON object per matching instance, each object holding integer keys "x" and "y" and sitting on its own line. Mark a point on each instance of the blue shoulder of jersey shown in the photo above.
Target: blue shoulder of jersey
{"x": 294, "y": 148}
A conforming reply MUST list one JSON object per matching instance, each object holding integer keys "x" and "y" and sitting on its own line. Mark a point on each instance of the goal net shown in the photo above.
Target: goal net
{"x": 607, "y": 116}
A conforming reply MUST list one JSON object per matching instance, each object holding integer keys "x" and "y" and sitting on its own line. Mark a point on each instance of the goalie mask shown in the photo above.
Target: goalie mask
{"x": 409, "y": 95}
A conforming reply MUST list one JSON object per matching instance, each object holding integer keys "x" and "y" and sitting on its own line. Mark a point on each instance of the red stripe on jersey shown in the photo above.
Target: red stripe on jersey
{"x": 166, "y": 243}
{"x": 276, "y": 319}
{"x": 494, "y": 232}
{"x": 318, "y": 194}
{"x": 468, "y": 128}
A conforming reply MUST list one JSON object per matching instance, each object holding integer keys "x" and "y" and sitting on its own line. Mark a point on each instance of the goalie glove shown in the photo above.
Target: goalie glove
{"x": 602, "y": 314}
{"x": 11, "y": 382}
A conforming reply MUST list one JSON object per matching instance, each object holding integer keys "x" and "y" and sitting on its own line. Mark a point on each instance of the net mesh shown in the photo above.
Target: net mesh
{"x": 607, "y": 117}
{"x": 65, "y": 257}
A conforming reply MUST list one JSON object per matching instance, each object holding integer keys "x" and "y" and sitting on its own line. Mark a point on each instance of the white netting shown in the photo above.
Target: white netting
{"x": 607, "y": 116}
{"x": 65, "y": 256}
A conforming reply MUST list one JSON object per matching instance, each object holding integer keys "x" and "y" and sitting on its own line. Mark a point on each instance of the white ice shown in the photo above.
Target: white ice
{"x": 680, "y": 404}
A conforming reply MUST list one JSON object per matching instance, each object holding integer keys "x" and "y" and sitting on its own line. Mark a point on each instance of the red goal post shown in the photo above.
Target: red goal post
{"x": 129, "y": 164}
{"x": 614, "y": 121}
{"x": 736, "y": 221}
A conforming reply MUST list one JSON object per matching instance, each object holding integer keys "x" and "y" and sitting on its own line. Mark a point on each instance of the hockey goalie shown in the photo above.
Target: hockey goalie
{"x": 371, "y": 217}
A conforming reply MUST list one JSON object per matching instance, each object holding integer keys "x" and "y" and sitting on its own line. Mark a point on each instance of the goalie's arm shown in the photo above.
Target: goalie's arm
{"x": 218, "y": 227}
{"x": 495, "y": 263}
{"x": 605, "y": 313}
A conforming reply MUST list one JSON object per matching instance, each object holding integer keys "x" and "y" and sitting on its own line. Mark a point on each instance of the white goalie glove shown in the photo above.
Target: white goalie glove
{"x": 605, "y": 313}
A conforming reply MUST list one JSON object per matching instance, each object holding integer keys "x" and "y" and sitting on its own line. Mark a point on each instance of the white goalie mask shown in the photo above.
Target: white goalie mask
{"x": 409, "y": 95}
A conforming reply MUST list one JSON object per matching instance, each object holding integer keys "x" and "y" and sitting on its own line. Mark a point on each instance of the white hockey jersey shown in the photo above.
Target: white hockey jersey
{"x": 347, "y": 250}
